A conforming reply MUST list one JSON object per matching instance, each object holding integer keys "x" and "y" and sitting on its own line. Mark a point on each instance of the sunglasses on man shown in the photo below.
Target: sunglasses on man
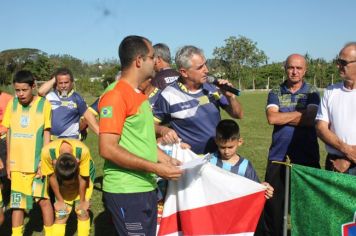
{"x": 342, "y": 62}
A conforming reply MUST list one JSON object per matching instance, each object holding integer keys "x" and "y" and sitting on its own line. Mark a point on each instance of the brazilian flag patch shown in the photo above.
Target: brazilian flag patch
{"x": 106, "y": 112}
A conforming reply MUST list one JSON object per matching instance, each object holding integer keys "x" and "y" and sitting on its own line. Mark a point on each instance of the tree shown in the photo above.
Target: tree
{"x": 41, "y": 67}
{"x": 239, "y": 53}
{"x": 13, "y": 60}
{"x": 70, "y": 62}
{"x": 320, "y": 72}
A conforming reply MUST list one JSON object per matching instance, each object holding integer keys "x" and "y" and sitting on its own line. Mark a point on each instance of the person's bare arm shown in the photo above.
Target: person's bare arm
{"x": 83, "y": 185}
{"x": 164, "y": 158}
{"x": 330, "y": 138}
{"x": 166, "y": 135}
{"x": 83, "y": 207}
{"x": 110, "y": 150}
{"x": 46, "y": 87}
{"x": 304, "y": 117}
{"x": 46, "y": 137}
{"x": 234, "y": 109}
{"x": 274, "y": 117}
{"x": 91, "y": 121}
{"x": 59, "y": 204}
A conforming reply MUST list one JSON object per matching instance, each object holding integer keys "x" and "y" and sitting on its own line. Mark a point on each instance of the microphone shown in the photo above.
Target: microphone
{"x": 212, "y": 80}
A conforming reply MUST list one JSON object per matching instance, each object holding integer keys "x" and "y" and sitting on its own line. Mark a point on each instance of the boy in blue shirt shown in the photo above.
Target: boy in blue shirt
{"x": 228, "y": 141}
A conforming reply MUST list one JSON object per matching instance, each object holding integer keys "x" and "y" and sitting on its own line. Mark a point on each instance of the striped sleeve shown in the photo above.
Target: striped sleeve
{"x": 161, "y": 110}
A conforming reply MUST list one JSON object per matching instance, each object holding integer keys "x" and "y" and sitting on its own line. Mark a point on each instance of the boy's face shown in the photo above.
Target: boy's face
{"x": 228, "y": 149}
{"x": 24, "y": 92}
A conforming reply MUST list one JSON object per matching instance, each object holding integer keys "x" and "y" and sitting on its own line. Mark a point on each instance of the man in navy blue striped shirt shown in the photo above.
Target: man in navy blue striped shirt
{"x": 191, "y": 106}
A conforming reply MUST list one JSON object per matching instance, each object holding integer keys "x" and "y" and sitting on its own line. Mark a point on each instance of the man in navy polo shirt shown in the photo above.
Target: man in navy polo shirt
{"x": 291, "y": 109}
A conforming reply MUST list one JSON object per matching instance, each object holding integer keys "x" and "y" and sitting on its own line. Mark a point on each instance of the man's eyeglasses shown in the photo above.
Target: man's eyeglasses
{"x": 342, "y": 62}
{"x": 149, "y": 56}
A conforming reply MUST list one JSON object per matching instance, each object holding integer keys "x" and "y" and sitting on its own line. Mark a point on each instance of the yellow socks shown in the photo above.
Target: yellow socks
{"x": 48, "y": 230}
{"x": 59, "y": 229}
{"x": 83, "y": 227}
{"x": 17, "y": 231}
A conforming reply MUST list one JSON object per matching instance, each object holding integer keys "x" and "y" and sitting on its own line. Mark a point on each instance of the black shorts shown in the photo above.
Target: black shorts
{"x": 133, "y": 213}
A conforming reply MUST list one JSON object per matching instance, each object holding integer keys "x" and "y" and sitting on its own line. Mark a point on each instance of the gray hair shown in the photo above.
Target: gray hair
{"x": 184, "y": 55}
{"x": 162, "y": 51}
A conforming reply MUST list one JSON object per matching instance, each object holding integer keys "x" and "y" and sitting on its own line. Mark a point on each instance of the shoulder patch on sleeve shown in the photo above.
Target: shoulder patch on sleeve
{"x": 106, "y": 112}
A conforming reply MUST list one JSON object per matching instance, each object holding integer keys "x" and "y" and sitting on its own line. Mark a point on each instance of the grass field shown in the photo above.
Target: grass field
{"x": 254, "y": 130}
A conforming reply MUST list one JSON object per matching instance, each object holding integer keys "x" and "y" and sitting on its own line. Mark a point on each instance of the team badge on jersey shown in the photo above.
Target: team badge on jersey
{"x": 24, "y": 121}
{"x": 106, "y": 112}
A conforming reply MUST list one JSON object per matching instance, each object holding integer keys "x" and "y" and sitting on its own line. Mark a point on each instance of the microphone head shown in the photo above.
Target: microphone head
{"x": 210, "y": 79}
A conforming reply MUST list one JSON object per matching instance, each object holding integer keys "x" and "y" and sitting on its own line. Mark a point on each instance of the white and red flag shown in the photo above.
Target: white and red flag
{"x": 208, "y": 200}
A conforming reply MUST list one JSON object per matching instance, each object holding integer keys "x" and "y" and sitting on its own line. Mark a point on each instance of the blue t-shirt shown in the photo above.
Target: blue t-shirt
{"x": 299, "y": 143}
{"x": 243, "y": 167}
{"x": 66, "y": 112}
{"x": 193, "y": 116}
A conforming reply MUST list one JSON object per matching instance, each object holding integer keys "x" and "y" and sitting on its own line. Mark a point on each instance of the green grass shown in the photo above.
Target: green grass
{"x": 255, "y": 131}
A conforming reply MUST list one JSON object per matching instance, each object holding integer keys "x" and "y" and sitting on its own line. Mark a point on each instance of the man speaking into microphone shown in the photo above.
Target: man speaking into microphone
{"x": 190, "y": 106}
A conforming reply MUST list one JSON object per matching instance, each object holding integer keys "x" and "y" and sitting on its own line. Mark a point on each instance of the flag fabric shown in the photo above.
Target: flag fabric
{"x": 322, "y": 202}
{"x": 208, "y": 200}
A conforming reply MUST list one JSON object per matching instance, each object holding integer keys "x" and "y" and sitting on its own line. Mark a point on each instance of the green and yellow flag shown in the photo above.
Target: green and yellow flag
{"x": 322, "y": 202}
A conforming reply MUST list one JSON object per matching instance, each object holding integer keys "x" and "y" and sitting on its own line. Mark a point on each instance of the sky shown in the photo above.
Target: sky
{"x": 93, "y": 29}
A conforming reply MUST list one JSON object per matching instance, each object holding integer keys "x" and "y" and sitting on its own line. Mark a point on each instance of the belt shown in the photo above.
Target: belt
{"x": 3, "y": 136}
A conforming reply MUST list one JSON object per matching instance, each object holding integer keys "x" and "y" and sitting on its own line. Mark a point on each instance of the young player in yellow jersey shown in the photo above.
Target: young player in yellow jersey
{"x": 28, "y": 120}
{"x": 71, "y": 173}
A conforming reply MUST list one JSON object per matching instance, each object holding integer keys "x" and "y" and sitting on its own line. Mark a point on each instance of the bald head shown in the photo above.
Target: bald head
{"x": 295, "y": 67}
{"x": 295, "y": 57}
{"x": 348, "y": 51}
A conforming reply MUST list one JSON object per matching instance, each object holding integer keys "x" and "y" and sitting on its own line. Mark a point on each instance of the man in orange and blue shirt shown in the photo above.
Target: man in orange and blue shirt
{"x": 127, "y": 142}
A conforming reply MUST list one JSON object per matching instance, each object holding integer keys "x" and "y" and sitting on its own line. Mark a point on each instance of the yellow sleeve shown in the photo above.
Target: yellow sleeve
{"x": 7, "y": 115}
{"x": 46, "y": 162}
{"x": 84, "y": 164}
{"x": 93, "y": 111}
{"x": 47, "y": 114}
